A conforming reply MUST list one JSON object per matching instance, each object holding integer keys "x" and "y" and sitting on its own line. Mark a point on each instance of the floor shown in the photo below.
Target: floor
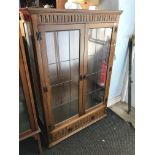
{"x": 108, "y": 136}
{"x": 121, "y": 109}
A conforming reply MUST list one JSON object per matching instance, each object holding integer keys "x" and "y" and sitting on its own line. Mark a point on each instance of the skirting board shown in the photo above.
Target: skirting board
{"x": 113, "y": 101}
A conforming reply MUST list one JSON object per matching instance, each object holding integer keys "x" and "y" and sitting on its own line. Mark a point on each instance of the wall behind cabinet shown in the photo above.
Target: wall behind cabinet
{"x": 126, "y": 28}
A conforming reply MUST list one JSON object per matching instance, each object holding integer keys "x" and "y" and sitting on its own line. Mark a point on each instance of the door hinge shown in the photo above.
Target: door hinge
{"x": 45, "y": 89}
{"x": 110, "y": 69}
{"x": 38, "y": 35}
{"x": 116, "y": 28}
{"x": 50, "y": 126}
{"x": 106, "y": 99}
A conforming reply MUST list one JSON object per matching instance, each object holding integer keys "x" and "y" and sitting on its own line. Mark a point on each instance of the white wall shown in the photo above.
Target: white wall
{"x": 126, "y": 28}
{"x": 109, "y": 4}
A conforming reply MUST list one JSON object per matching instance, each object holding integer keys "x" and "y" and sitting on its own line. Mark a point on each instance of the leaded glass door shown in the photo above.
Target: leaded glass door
{"x": 62, "y": 58}
{"x": 97, "y": 49}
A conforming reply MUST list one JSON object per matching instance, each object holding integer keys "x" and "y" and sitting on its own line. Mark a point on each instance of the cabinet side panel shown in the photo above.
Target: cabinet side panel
{"x": 30, "y": 53}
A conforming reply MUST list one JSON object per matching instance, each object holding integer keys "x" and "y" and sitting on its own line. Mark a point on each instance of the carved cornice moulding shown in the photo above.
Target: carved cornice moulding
{"x": 54, "y": 16}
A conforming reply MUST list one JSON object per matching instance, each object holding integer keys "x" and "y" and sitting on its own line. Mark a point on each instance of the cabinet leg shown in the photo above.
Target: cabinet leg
{"x": 37, "y": 138}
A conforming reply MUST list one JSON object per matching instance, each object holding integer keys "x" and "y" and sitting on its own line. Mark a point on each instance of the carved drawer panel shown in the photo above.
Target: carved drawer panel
{"x": 81, "y": 122}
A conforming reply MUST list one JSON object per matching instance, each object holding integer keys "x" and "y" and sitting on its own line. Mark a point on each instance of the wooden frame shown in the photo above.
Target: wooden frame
{"x": 42, "y": 43}
{"x": 113, "y": 26}
{"x": 24, "y": 74}
{"x": 52, "y": 20}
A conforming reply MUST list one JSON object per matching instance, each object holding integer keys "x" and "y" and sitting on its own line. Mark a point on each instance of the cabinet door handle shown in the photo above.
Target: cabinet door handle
{"x": 84, "y": 77}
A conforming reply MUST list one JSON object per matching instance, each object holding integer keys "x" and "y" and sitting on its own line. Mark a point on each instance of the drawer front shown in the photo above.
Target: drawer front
{"x": 76, "y": 125}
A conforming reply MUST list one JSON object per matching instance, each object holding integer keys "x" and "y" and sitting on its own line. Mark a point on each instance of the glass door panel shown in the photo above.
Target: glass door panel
{"x": 63, "y": 48}
{"x": 24, "y": 123}
{"x": 98, "y": 53}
